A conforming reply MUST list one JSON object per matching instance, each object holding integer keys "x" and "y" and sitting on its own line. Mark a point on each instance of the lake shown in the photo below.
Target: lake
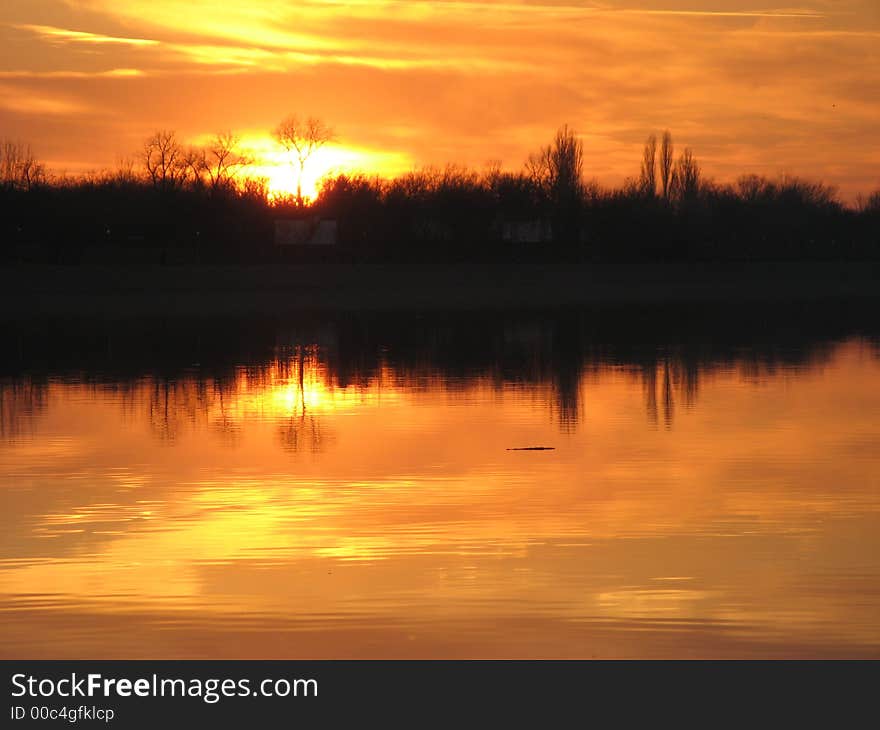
{"x": 352, "y": 485}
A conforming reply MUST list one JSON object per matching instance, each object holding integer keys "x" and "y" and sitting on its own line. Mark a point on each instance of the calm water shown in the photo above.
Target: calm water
{"x": 342, "y": 487}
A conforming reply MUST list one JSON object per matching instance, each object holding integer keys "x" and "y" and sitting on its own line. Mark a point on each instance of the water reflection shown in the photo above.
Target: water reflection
{"x": 211, "y": 375}
{"x": 342, "y": 487}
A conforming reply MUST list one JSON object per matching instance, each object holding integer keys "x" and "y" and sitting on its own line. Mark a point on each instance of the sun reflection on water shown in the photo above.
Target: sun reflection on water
{"x": 291, "y": 498}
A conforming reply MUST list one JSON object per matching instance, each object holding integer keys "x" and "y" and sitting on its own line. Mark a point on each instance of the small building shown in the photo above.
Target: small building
{"x": 532, "y": 231}
{"x": 306, "y": 232}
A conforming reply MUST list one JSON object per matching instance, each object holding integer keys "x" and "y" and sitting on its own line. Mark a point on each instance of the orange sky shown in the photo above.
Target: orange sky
{"x": 751, "y": 87}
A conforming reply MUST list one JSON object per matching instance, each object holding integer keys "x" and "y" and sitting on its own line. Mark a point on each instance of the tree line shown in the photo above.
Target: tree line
{"x": 197, "y": 203}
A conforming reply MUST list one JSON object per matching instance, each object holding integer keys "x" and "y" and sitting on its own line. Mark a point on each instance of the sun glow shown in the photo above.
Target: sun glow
{"x": 281, "y": 170}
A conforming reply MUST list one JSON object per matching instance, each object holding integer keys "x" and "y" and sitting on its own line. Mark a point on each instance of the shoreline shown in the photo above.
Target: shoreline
{"x": 113, "y": 291}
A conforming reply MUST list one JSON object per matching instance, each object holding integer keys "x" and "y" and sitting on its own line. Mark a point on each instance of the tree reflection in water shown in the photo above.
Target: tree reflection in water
{"x": 213, "y": 375}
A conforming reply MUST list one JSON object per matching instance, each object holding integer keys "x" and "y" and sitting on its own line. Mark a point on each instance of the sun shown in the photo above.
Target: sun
{"x": 280, "y": 171}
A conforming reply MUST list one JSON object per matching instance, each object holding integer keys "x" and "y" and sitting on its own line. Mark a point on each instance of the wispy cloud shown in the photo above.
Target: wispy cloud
{"x": 63, "y": 35}
{"x": 427, "y": 8}
{"x": 27, "y": 102}
{"x": 797, "y": 14}
{"x": 283, "y": 53}
{"x": 117, "y": 73}
{"x": 755, "y": 85}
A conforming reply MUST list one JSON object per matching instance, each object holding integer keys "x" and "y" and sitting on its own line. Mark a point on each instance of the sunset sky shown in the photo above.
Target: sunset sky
{"x": 750, "y": 86}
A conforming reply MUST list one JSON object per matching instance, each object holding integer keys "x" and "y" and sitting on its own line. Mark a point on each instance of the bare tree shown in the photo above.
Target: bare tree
{"x": 195, "y": 164}
{"x": 10, "y": 154}
{"x": 538, "y": 168}
{"x": 667, "y": 151}
{"x": 302, "y": 138}
{"x": 217, "y": 163}
{"x": 566, "y": 161}
{"x": 255, "y": 188}
{"x": 222, "y": 160}
{"x": 870, "y": 205}
{"x": 558, "y": 167}
{"x": 492, "y": 173}
{"x": 19, "y": 167}
{"x": 648, "y": 178}
{"x": 686, "y": 176}
{"x": 753, "y": 187}
{"x": 125, "y": 172}
{"x": 165, "y": 160}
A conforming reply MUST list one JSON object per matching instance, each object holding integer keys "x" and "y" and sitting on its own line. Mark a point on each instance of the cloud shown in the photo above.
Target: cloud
{"x": 111, "y": 74}
{"x": 63, "y": 35}
{"x": 750, "y": 86}
{"x": 32, "y": 103}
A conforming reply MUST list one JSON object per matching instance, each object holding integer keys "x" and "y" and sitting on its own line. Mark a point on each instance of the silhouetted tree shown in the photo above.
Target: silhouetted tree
{"x": 447, "y": 214}
{"x": 648, "y": 177}
{"x": 686, "y": 177}
{"x": 537, "y": 167}
{"x": 126, "y": 171}
{"x": 254, "y": 188}
{"x": 19, "y": 168}
{"x": 750, "y": 188}
{"x": 558, "y": 167}
{"x": 755, "y": 189}
{"x": 565, "y": 159}
{"x": 302, "y": 138}
{"x": 194, "y": 163}
{"x": 667, "y": 151}
{"x": 222, "y": 160}
{"x": 556, "y": 170}
{"x": 165, "y": 160}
